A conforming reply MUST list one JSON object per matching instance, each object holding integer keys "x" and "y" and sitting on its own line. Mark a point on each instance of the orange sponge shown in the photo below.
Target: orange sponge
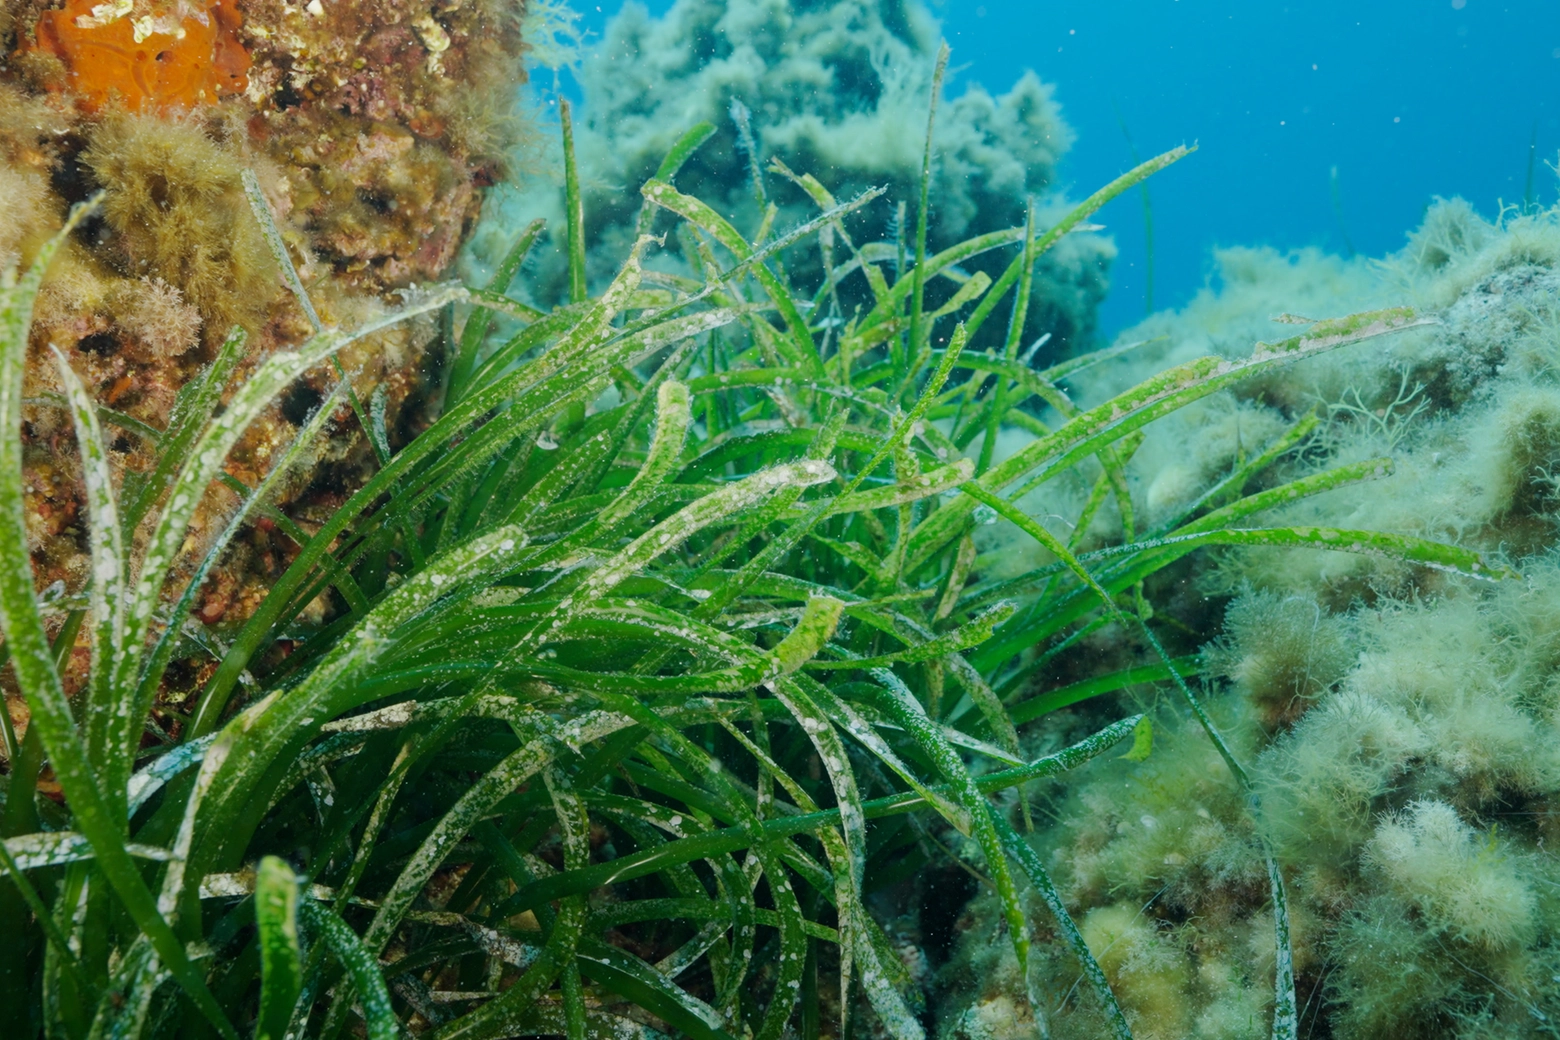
{"x": 146, "y": 55}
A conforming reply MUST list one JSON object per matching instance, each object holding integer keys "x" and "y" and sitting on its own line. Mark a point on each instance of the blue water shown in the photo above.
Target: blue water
{"x": 1406, "y": 99}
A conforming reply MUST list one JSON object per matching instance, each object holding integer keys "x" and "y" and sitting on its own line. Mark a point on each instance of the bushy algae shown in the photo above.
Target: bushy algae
{"x": 1397, "y": 723}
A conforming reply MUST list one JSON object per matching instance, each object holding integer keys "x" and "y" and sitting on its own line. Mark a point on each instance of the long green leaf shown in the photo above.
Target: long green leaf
{"x": 451, "y": 828}
{"x": 999, "y": 395}
{"x": 672, "y": 416}
{"x": 281, "y": 958}
{"x": 912, "y": 346}
{"x": 972, "y": 633}
{"x": 107, "y": 554}
{"x": 1054, "y": 700}
{"x": 282, "y": 465}
{"x": 192, "y": 407}
{"x": 362, "y": 968}
{"x": 679, "y": 154}
{"x": 1030, "y": 861}
{"x": 574, "y": 206}
{"x": 635, "y": 865}
{"x": 901, "y": 703}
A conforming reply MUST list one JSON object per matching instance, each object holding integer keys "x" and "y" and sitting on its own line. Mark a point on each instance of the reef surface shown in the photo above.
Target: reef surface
{"x": 1400, "y": 725}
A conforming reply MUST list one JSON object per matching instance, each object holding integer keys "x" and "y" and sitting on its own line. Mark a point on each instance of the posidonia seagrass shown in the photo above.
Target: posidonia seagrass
{"x": 672, "y": 601}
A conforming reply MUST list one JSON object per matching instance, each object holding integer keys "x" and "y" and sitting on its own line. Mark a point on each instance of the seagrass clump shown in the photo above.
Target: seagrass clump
{"x": 630, "y": 666}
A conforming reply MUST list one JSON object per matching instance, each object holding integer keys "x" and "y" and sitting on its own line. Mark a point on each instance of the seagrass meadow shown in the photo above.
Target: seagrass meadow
{"x": 730, "y": 652}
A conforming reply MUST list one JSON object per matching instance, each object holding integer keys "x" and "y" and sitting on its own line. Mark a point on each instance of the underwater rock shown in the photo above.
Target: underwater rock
{"x": 1400, "y": 725}
{"x": 371, "y": 128}
{"x": 835, "y": 89}
{"x": 386, "y": 118}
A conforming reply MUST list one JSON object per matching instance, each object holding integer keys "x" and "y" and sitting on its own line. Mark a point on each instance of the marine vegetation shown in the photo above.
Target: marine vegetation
{"x": 618, "y": 698}
{"x": 1398, "y": 724}
{"x": 833, "y": 88}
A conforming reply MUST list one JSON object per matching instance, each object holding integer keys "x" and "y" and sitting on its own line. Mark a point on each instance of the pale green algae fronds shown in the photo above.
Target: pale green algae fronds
{"x": 834, "y": 88}
{"x": 1402, "y": 727}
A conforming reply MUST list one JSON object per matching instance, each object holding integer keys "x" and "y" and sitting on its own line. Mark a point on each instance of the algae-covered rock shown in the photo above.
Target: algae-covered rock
{"x": 371, "y": 130}
{"x": 1399, "y": 725}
